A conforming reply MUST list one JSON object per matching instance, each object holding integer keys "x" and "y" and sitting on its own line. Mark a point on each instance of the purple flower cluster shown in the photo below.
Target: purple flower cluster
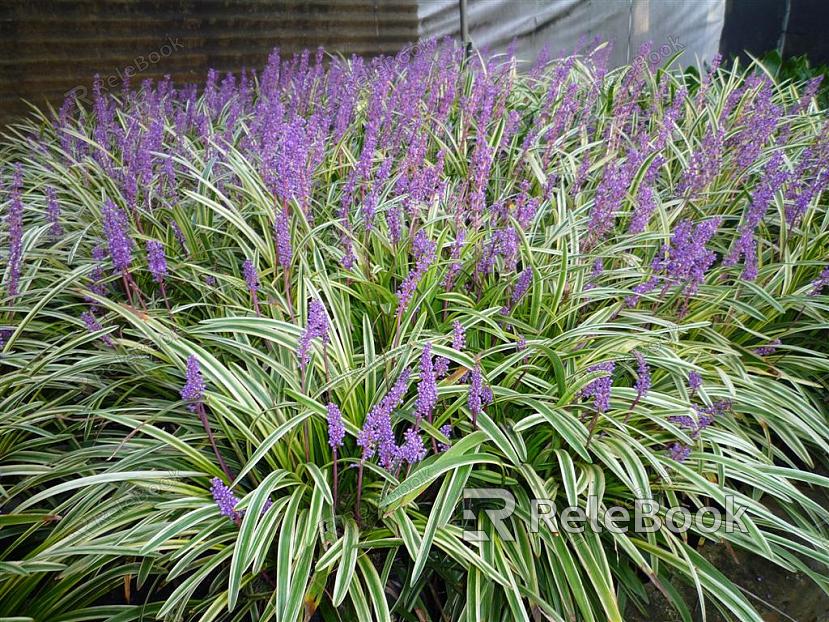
{"x": 679, "y": 452}
{"x": 694, "y": 381}
{"x": 643, "y": 379}
{"x": 768, "y": 349}
{"x": 705, "y": 416}
{"x": 250, "y": 276}
{"x": 412, "y": 450}
{"x": 821, "y": 282}
{"x": 377, "y": 435}
{"x": 523, "y": 283}
{"x": 475, "y": 399}
{"x": 599, "y": 389}
{"x": 424, "y": 253}
{"x": 458, "y": 336}
{"x": 53, "y": 213}
{"x": 336, "y": 429}
{"x": 683, "y": 262}
{"x": 687, "y": 259}
{"x": 94, "y": 326}
{"x": 225, "y": 499}
{"x": 446, "y": 430}
{"x": 118, "y": 240}
{"x": 455, "y": 255}
{"x": 595, "y": 273}
{"x": 156, "y": 260}
{"x": 774, "y": 176}
{"x": 193, "y": 389}
{"x": 14, "y": 221}
{"x": 427, "y": 391}
{"x": 317, "y": 328}
{"x": 705, "y": 164}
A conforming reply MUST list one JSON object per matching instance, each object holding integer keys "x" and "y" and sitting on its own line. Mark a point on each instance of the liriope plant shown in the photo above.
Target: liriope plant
{"x": 260, "y": 339}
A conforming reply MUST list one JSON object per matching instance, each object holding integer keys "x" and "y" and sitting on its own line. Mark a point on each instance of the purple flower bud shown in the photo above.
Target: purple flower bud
{"x": 336, "y": 429}
{"x": 156, "y": 261}
{"x": 441, "y": 366}
{"x": 193, "y": 390}
{"x": 525, "y": 279}
{"x": 595, "y": 273}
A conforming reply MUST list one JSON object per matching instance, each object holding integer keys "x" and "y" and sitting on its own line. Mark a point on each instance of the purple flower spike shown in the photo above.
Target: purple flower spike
{"x": 694, "y": 381}
{"x": 525, "y": 279}
{"x": 336, "y": 429}
{"x": 446, "y": 430}
{"x": 475, "y": 399}
{"x": 225, "y": 499}
{"x": 53, "y": 213}
{"x": 282, "y": 232}
{"x": 821, "y": 282}
{"x": 118, "y": 241}
{"x": 317, "y": 327}
{"x": 424, "y": 252}
{"x": 14, "y": 220}
{"x": 93, "y": 326}
{"x": 251, "y": 277}
{"x": 458, "y": 336}
{"x": 427, "y": 392}
{"x": 156, "y": 261}
{"x": 377, "y": 435}
{"x": 441, "y": 366}
{"x": 643, "y": 381}
{"x": 193, "y": 390}
{"x": 599, "y": 389}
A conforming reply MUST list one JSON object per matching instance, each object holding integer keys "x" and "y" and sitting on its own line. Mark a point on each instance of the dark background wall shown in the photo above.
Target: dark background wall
{"x": 794, "y": 26}
{"x": 49, "y": 47}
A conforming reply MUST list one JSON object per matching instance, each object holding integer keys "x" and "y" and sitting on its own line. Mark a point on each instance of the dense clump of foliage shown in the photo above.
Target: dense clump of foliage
{"x": 258, "y": 339}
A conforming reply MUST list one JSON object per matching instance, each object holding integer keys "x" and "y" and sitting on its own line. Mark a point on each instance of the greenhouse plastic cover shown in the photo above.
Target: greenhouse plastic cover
{"x": 690, "y": 28}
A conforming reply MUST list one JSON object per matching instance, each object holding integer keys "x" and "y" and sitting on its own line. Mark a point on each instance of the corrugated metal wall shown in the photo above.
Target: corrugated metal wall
{"x": 49, "y": 47}
{"x": 690, "y": 28}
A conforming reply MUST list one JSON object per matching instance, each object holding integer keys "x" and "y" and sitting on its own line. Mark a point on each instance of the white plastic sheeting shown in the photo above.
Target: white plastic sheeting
{"x": 692, "y": 27}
